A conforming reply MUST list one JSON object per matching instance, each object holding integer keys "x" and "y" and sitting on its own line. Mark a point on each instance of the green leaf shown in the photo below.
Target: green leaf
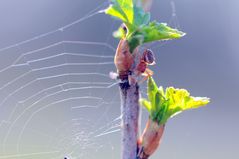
{"x": 162, "y": 106}
{"x": 120, "y": 33}
{"x": 146, "y": 104}
{"x": 127, "y": 11}
{"x": 139, "y": 28}
{"x": 180, "y": 100}
{"x": 160, "y": 31}
{"x": 153, "y": 32}
{"x": 159, "y": 99}
{"x": 140, "y": 16}
{"x": 152, "y": 90}
{"x": 115, "y": 10}
{"x": 135, "y": 40}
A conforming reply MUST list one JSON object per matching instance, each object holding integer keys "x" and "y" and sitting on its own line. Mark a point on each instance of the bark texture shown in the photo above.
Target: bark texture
{"x": 130, "y": 115}
{"x": 129, "y": 100}
{"x": 129, "y": 93}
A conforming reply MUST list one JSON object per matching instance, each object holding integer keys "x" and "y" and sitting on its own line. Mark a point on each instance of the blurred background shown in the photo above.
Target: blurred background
{"x": 57, "y": 100}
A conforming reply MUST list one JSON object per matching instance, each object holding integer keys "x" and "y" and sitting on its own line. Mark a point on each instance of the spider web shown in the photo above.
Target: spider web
{"x": 57, "y": 99}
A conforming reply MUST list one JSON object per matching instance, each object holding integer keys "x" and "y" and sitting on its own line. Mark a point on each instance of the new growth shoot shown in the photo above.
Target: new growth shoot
{"x": 140, "y": 29}
{"x": 137, "y": 29}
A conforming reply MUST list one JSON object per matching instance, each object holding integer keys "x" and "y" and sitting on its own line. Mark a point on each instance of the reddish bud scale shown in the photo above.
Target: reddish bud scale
{"x": 150, "y": 139}
{"x": 123, "y": 58}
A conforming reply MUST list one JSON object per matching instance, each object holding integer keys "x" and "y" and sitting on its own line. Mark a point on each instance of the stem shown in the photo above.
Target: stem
{"x": 147, "y": 6}
{"x": 129, "y": 98}
{"x": 130, "y": 114}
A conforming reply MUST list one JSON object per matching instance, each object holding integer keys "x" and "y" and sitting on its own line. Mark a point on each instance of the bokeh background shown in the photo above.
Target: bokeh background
{"x": 56, "y": 101}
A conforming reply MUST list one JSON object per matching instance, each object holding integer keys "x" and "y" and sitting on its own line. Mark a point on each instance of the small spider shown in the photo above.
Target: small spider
{"x": 142, "y": 68}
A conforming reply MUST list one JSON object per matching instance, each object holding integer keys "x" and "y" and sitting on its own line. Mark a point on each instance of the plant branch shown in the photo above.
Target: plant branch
{"x": 130, "y": 114}
{"x": 129, "y": 97}
{"x": 129, "y": 101}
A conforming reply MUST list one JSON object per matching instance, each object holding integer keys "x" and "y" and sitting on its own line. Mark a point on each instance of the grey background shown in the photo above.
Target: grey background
{"x": 205, "y": 62}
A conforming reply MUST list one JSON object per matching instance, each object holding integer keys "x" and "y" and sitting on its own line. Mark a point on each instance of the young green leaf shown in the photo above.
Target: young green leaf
{"x": 139, "y": 28}
{"x": 154, "y": 31}
{"x": 160, "y": 31}
{"x": 127, "y": 11}
{"x": 173, "y": 101}
{"x": 152, "y": 89}
{"x": 146, "y": 104}
{"x": 180, "y": 100}
{"x": 120, "y": 33}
